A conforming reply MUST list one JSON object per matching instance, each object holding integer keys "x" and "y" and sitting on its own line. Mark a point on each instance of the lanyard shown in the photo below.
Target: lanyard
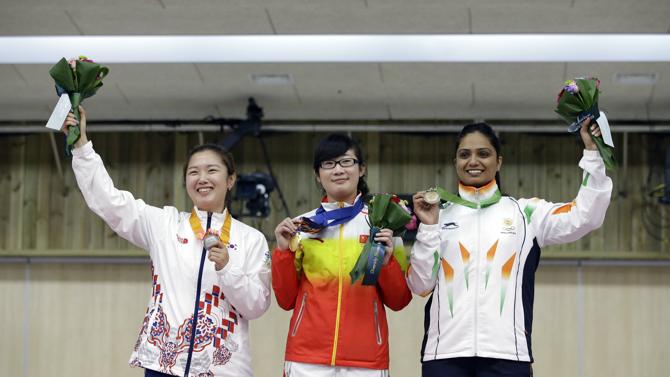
{"x": 224, "y": 232}
{"x": 323, "y": 218}
{"x": 449, "y": 197}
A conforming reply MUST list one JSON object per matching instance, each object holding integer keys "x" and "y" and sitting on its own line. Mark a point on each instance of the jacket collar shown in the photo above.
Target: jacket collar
{"x": 485, "y": 193}
{"x": 329, "y": 206}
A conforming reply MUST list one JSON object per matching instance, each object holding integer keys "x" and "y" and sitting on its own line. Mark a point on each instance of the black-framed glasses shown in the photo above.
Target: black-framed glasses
{"x": 345, "y": 163}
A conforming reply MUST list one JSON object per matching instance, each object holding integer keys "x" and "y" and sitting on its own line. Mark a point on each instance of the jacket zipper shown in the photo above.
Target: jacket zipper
{"x": 300, "y": 314}
{"x": 339, "y": 299}
{"x": 194, "y": 324}
{"x": 377, "y": 329}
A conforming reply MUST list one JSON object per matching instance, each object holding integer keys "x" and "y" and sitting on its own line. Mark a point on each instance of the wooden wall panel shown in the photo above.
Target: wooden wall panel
{"x": 556, "y": 333}
{"x": 45, "y": 211}
{"x": 626, "y": 321}
{"x": 83, "y": 320}
{"x": 12, "y": 318}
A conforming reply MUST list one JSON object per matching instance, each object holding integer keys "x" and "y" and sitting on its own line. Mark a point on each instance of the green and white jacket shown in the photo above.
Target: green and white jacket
{"x": 478, "y": 264}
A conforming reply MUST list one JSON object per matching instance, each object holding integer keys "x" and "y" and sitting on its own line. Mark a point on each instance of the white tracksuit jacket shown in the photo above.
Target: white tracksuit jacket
{"x": 479, "y": 264}
{"x": 227, "y": 298}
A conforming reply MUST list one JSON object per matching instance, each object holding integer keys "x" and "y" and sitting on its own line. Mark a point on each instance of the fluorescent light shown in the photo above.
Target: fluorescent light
{"x": 635, "y": 78}
{"x": 340, "y": 48}
{"x": 271, "y": 79}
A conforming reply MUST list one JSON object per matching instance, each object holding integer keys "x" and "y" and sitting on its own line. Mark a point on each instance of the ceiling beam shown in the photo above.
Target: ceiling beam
{"x": 357, "y": 125}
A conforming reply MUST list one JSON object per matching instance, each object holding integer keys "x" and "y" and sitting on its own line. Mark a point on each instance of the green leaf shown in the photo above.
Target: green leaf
{"x": 576, "y": 101}
{"x": 566, "y": 117}
{"x": 396, "y": 218}
{"x": 63, "y": 75}
{"x": 359, "y": 268}
{"x": 87, "y": 73}
{"x": 73, "y": 135}
{"x": 378, "y": 208}
{"x": 606, "y": 152}
{"x": 588, "y": 89}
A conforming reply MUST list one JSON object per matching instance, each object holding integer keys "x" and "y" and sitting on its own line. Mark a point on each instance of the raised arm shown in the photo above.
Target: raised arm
{"x": 123, "y": 213}
{"x": 556, "y": 223}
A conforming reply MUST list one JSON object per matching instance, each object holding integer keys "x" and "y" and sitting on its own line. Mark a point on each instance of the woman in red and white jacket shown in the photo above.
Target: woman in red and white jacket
{"x": 222, "y": 286}
{"x": 476, "y": 258}
{"x": 338, "y": 328}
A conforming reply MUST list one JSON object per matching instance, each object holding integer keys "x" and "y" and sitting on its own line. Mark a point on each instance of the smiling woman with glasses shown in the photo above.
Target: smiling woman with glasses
{"x": 345, "y": 163}
{"x": 337, "y": 328}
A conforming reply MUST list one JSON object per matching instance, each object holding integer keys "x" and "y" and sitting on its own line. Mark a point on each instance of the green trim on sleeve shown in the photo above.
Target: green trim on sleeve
{"x": 436, "y": 264}
{"x": 586, "y": 179}
{"x": 528, "y": 211}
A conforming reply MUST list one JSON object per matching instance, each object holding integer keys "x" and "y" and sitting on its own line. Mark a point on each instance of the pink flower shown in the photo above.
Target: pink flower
{"x": 412, "y": 224}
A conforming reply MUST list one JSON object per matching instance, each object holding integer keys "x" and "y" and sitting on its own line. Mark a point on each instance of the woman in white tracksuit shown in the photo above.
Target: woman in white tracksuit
{"x": 476, "y": 257}
{"x": 219, "y": 288}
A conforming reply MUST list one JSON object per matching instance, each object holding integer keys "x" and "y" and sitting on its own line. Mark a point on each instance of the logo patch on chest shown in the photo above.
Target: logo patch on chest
{"x": 508, "y": 226}
{"x": 182, "y": 240}
{"x": 363, "y": 238}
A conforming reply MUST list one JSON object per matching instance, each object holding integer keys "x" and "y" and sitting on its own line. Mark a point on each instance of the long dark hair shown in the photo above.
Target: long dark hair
{"x": 486, "y": 130}
{"x": 335, "y": 145}
{"x": 226, "y": 158}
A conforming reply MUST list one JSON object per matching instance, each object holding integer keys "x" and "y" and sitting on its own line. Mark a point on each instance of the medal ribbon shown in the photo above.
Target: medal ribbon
{"x": 224, "y": 232}
{"x": 446, "y": 196}
{"x": 323, "y": 218}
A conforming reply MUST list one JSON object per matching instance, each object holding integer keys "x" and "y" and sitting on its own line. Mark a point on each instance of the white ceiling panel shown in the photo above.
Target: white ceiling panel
{"x": 374, "y": 19}
{"x": 336, "y": 91}
{"x": 559, "y": 18}
{"x": 11, "y": 77}
{"x": 38, "y": 20}
{"x": 521, "y": 4}
{"x": 145, "y": 19}
{"x": 172, "y": 74}
{"x": 426, "y": 90}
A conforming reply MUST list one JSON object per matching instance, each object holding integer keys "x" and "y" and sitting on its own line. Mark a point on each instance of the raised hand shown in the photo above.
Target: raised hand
{"x": 71, "y": 121}
{"x": 286, "y": 229}
{"x": 588, "y": 126}
{"x": 426, "y": 213}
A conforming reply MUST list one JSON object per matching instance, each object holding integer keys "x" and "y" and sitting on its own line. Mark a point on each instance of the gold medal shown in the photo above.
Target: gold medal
{"x": 431, "y": 197}
{"x": 294, "y": 242}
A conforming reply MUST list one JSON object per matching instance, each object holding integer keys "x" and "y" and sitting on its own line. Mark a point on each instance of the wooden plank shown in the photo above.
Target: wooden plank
{"x": 16, "y": 193}
{"x": 5, "y": 188}
{"x": 46, "y": 164}
{"x": 178, "y": 189}
{"x": 30, "y": 190}
{"x": 111, "y": 156}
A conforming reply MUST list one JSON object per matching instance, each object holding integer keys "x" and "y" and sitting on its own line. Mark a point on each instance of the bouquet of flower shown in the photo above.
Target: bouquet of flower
{"x": 79, "y": 78}
{"x": 577, "y": 101}
{"x": 384, "y": 211}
